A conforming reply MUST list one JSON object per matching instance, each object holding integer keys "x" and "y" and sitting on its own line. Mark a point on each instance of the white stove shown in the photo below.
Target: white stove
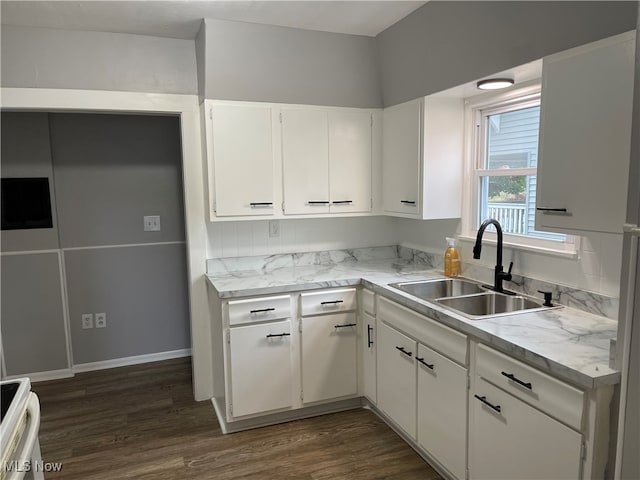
{"x": 20, "y": 422}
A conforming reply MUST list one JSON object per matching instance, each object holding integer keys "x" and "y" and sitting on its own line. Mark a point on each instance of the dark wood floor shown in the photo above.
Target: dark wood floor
{"x": 142, "y": 422}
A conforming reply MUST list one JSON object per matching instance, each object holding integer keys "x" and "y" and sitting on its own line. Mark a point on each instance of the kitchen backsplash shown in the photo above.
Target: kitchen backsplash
{"x": 582, "y": 300}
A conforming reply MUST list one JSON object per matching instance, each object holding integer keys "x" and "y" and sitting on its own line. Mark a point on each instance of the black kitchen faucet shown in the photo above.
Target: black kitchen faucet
{"x": 499, "y": 274}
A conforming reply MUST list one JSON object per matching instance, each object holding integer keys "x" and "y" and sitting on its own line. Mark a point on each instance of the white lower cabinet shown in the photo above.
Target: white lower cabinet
{"x": 397, "y": 377}
{"x": 512, "y": 440}
{"x": 329, "y": 363}
{"x": 442, "y": 409}
{"x": 260, "y": 368}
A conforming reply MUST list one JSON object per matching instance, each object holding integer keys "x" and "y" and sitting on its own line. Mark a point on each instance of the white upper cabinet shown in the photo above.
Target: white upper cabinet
{"x": 401, "y": 148}
{"x": 327, "y": 158}
{"x": 422, "y": 158}
{"x": 305, "y": 155}
{"x": 350, "y": 153}
{"x": 585, "y": 137}
{"x": 242, "y": 160}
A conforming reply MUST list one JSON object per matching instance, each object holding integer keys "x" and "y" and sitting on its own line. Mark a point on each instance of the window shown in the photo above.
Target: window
{"x": 503, "y": 162}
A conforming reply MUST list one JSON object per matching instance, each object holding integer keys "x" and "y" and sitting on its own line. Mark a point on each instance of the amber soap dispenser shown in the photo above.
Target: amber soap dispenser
{"x": 451, "y": 259}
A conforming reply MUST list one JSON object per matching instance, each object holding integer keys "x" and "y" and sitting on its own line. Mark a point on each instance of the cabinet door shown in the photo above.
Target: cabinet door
{"x": 260, "y": 361}
{"x": 242, "y": 160}
{"x": 585, "y": 137}
{"x": 329, "y": 357}
{"x": 397, "y": 377}
{"x": 518, "y": 441}
{"x": 401, "y": 159}
{"x": 305, "y": 155}
{"x": 350, "y": 162}
{"x": 442, "y": 409}
{"x": 369, "y": 344}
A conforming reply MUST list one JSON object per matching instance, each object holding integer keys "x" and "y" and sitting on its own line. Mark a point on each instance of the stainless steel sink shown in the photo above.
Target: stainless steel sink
{"x": 490, "y": 304}
{"x": 433, "y": 289}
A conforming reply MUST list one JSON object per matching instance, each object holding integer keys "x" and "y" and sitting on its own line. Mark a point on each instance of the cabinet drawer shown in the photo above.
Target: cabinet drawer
{"x": 369, "y": 302}
{"x": 259, "y": 309}
{"x": 553, "y": 396}
{"x": 441, "y": 338}
{"x": 328, "y": 301}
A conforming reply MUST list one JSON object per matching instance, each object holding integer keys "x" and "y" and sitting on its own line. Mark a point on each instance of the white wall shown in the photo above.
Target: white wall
{"x": 597, "y": 269}
{"x": 247, "y": 238}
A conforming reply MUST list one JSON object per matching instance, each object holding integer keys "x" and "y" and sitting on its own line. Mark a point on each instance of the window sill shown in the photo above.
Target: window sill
{"x": 569, "y": 254}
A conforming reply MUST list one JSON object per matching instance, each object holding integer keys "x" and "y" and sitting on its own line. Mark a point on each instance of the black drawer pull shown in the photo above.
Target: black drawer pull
{"x": 345, "y": 325}
{"x": 408, "y": 354}
{"x": 318, "y": 202}
{"x": 262, "y": 310}
{"x": 333, "y": 302}
{"x": 369, "y": 341}
{"x": 483, "y": 399}
{"x": 513, "y": 378}
{"x": 273, "y": 335}
{"x": 408, "y": 202}
{"x": 261, "y": 204}
{"x": 342, "y": 202}
{"x": 428, "y": 365}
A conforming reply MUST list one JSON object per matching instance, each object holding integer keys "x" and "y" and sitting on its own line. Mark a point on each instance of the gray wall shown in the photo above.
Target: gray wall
{"x": 111, "y": 171}
{"x": 246, "y": 61}
{"x": 108, "y": 171}
{"x": 33, "y": 338}
{"x": 49, "y": 58}
{"x": 26, "y": 152}
{"x": 444, "y": 44}
{"x": 143, "y": 290}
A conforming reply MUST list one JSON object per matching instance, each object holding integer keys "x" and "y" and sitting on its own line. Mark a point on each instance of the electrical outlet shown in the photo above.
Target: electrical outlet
{"x": 152, "y": 223}
{"x": 87, "y": 320}
{"x": 101, "y": 320}
{"x": 274, "y": 228}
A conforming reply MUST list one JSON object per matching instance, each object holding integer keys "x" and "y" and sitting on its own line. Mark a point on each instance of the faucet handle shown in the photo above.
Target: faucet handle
{"x": 508, "y": 277}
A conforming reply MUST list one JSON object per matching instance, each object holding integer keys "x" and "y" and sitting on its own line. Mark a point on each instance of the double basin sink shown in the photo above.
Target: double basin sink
{"x": 470, "y": 298}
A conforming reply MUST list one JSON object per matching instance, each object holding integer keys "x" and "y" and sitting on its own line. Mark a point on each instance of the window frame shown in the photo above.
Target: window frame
{"x": 477, "y": 108}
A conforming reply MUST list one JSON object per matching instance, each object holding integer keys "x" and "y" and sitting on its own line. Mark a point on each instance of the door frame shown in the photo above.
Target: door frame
{"x": 186, "y": 107}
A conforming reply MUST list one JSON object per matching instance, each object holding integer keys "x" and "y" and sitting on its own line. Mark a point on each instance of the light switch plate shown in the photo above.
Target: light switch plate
{"x": 274, "y": 228}
{"x": 152, "y": 223}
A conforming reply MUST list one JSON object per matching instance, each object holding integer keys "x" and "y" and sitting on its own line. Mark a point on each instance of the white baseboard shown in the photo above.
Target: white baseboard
{"x": 43, "y": 376}
{"x": 135, "y": 360}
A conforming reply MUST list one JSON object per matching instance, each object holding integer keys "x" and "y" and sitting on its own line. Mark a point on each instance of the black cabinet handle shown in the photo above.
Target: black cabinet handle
{"x": 272, "y": 335}
{"x": 369, "y": 341}
{"x": 260, "y": 204}
{"x": 408, "y": 202}
{"x": 513, "y": 378}
{"x": 262, "y": 310}
{"x": 342, "y": 202}
{"x": 345, "y": 325}
{"x": 333, "y": 302}
{"x": 554, "y": 211}
{"x": 428, "y": 365}
{"x": 542, "y": 209}
{"x": 483, "y": 399}
{"x": 318, "y": 202}
{"x": 408, "y": 354}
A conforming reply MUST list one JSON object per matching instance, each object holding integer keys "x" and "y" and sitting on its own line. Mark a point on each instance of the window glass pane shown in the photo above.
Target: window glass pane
{"x": 512, "y": 139}
{"x": 511, "y": 200}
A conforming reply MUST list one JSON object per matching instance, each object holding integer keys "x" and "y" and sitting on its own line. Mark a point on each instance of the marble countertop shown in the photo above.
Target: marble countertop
{"x": 565, "y": 342}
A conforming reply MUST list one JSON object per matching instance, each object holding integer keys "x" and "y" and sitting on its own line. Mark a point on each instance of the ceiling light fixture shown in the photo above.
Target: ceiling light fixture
{"x": 494, "y": 83}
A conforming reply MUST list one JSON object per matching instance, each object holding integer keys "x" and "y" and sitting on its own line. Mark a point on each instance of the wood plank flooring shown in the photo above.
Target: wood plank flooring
{"x": 142, "y": 422}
